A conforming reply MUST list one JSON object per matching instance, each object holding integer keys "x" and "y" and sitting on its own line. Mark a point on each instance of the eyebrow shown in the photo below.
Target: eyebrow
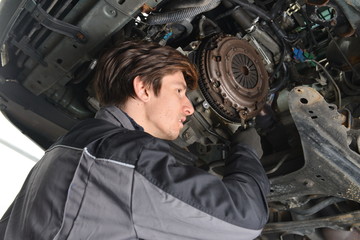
{"x": 183, "y": 85}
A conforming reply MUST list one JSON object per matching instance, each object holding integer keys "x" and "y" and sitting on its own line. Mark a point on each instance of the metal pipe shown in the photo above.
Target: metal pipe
{"x": 317, "y": 207}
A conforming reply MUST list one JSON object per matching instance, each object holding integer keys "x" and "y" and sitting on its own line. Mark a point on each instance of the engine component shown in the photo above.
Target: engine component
{"x": 184, "y": 10}
{"x": 233, "y": 78}
{"x": 54, "y": 24}
{"x": 317, "y": 14}
{"x": 344, "y": 53}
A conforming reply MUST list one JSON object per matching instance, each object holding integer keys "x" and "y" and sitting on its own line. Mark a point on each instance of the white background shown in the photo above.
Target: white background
{"x": 14, "y": 166}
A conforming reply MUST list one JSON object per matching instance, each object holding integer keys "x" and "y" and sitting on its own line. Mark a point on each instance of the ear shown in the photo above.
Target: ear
{"x": 141, "y": 91}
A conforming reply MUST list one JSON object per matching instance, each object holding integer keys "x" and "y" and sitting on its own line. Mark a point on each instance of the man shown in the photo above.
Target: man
{"x": 113, "y": 177}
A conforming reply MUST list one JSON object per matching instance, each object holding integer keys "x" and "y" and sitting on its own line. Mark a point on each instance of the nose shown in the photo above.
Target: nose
{"x": 188, "y": 107}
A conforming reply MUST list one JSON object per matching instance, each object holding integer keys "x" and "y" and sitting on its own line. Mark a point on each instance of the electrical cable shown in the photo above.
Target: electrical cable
{"x": 266, "y": 16}
{"x": 281, "y": 35}
{"x": 309, "y": 25}
{"x": 278, "y": 165}
{"x": 283, "y": 79}
{"x": 337, "y": 90}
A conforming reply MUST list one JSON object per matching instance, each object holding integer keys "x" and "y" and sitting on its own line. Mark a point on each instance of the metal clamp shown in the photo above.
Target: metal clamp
{"x": 294, "y": 7}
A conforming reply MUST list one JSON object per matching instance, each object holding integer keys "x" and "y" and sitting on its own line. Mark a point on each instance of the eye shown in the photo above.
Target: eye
{"x": 179, "y": 90}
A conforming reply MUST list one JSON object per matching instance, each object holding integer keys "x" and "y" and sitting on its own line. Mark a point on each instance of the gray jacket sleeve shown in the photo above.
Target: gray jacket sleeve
{"x": 173, "y": 201}
{"x": 127, "y": 185}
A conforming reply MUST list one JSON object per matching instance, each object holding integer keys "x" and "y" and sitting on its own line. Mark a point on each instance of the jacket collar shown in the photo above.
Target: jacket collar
{"x": 117, "y": 117}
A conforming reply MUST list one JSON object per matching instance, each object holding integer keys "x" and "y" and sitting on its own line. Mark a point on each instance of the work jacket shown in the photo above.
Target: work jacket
{"x": 108, "y": 179}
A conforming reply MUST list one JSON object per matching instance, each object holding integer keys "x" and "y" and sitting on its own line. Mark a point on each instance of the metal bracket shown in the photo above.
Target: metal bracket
{"x": 330, "y": 167}
{"x": 4, "y": 55}
{"x": 343, "y": 221}
{"x": 55, "y": 24}
{"x": 29, "y": 50}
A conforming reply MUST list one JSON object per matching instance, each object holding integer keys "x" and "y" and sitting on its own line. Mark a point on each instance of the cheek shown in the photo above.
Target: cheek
{"x": 167, "y": 111}
{"x": 165, "y": 117}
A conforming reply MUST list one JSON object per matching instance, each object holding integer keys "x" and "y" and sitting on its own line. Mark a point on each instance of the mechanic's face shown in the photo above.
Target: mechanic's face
{"x": 168, "y": 110}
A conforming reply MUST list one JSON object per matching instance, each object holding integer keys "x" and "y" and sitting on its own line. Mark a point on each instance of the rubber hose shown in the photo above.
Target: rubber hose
{"x": 281, "y": 83}
{"x": 279, "y": 32}
{"x": 181, "y": 14}
{"x": 281, "y": 63}
{"x": 275, "y": 8}
{"x": 249, "y": 6}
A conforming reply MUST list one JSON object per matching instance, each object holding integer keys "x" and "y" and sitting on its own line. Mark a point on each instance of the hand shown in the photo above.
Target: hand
{"x": 249, "y": 138}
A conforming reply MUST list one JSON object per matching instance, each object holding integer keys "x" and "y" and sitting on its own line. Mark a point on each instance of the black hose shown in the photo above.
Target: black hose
{"x": 309, "y": 25}
{"x": 181, "y": 14}
{"x": 276, "y": 8}
{"x": 253, "y": 8}
{"x": 281, "y": 83}
{"x": 225, "y": 14}
{"x": 317, "y": 207}
{"x": 281, "y": 34}
{"x": 283, "y": 79}
{"x": 241, "y": 16}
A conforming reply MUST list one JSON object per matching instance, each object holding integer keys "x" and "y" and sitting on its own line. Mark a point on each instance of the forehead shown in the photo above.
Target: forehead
{"x": 174, "y": 79}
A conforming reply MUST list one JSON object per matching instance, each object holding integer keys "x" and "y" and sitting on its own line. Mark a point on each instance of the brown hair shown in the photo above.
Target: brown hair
{"x": 118, "y": 67}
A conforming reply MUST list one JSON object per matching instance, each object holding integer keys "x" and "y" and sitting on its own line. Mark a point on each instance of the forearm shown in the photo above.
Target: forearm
{"x": 190, "y": 198}
{"x": 248, "y": 185}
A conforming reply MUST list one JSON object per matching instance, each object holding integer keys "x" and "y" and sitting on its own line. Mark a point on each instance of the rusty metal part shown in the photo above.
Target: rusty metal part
{"x": 146, "y": 8}
{"x": 342, "y": 221}
{"x": 233, "y": 78}
{"x": 327, "y": 155}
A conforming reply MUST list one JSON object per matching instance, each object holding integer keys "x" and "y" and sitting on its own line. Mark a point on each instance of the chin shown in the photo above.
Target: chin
{"x": 171, "y": 138}
{"x": 168, "y": 137}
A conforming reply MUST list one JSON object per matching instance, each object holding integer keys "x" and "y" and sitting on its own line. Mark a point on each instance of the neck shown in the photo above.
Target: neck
{"x": 136, "y": 110}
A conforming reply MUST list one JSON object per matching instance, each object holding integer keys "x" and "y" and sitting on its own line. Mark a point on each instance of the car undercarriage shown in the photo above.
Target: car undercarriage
{"x": 289, "y": 68}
